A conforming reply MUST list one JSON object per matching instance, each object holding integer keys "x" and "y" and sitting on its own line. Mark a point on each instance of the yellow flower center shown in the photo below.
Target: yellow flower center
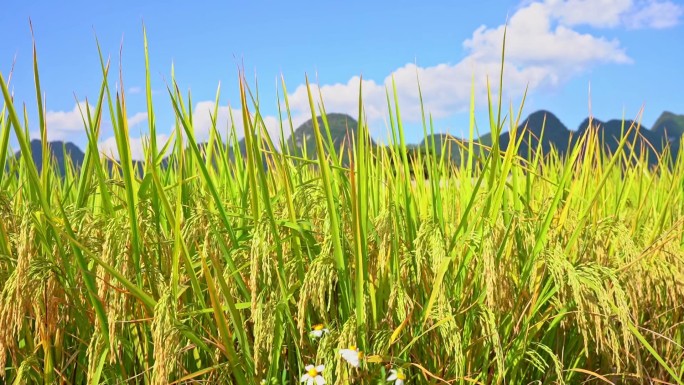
{"x": 313, "y": 372}
{"x": 352, "y": 347}
{"x": 318, "y": 327}
{"x": 400, "y": 376}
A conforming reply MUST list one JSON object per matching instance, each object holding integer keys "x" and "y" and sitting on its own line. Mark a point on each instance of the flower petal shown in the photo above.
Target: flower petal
{"x": 392, "y": 376}
{"x": 308, "y": 367}
{"x": 305, "y": 377}
{"x": 351, "y": 356}
{"x": 320, "y": 380}
{"x": 320, "y": 368}
{"x": 399, "y": 382}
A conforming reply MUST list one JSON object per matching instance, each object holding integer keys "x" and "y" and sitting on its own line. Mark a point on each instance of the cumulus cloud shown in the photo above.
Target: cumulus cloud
{"x": 655, "y": 14}
{"x": 534, "y": 38}
{"x": 202, "y": 121}
{"x": 616, "y": 13}
{"x": 62, "y": 124}
{"x": 137, "y": 144}
{"x": 594, "y": 13}
{"x": 341, "y": 97}
{"x": 137, "y": 119}
{"x": 540, "y": 52}
{"x": 543, "y": 50}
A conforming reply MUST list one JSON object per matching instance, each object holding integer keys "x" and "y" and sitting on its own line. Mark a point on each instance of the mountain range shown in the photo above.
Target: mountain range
{"x": 668, "y": 129}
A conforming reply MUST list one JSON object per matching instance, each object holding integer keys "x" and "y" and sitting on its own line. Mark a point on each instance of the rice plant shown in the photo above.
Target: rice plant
{"x": 205, "y": 264}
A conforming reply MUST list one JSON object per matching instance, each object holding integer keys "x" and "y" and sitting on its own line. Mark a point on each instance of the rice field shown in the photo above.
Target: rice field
{"x": 280, "y": 268}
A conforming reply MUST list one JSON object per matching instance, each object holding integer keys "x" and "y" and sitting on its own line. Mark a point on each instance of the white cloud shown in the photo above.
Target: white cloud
{"x": 135, "y": 90}
{"x": 542, "y": 51}
{"x": 62, "y": 124}
{"x": 533, "y": 38}
{"x": 137, "y": 119}
{"x": 595, "y": 13}
{"x": 655, "y": 14}
{"x": 340, "y": 97}
{"x": 202, "y": 121}
{"x": 616, "y": 13}
{"x": 137, "y": 144}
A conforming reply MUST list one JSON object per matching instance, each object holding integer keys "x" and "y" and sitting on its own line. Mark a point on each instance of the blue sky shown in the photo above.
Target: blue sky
{"x": 629, "y": 51}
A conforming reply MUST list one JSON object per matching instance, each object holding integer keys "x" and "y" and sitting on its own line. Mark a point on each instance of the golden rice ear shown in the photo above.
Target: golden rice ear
{"x": 347, "y": 338}
{"x": 594, "y": 289}
{"x": 97, "y": 347}
{"x": 264, "y": 319}
{"x": 319, "y": 290}
{"x": 17, "y": 292}
{"x": 165, "y": 338}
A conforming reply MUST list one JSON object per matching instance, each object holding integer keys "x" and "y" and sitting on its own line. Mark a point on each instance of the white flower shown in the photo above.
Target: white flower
{"x": 313, "y": 374}
{"x": 352, "y": 355}
{"x": 319, "y": 330}
{"x": 397, "y": 377}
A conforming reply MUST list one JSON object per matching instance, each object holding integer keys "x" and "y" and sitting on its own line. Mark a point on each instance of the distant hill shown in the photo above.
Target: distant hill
{"x": 342, "y": 126}
{"x": 540, "y": 124}
{"x": 541, "y": 128}
{"x": 611, "y": 132}
{"x": 453, "y": 146}
{"x": 670, "y": 125}
{"x": 668, "y": 129}
{"x": 59, "y": 151}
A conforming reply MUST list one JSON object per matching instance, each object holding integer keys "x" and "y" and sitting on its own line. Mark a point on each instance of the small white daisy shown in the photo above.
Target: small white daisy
{"x": 397, "y": 376}
{"x": 352, "y": 355}
{"x": 313, "y": 375}
{"x": 319, "y": 330}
